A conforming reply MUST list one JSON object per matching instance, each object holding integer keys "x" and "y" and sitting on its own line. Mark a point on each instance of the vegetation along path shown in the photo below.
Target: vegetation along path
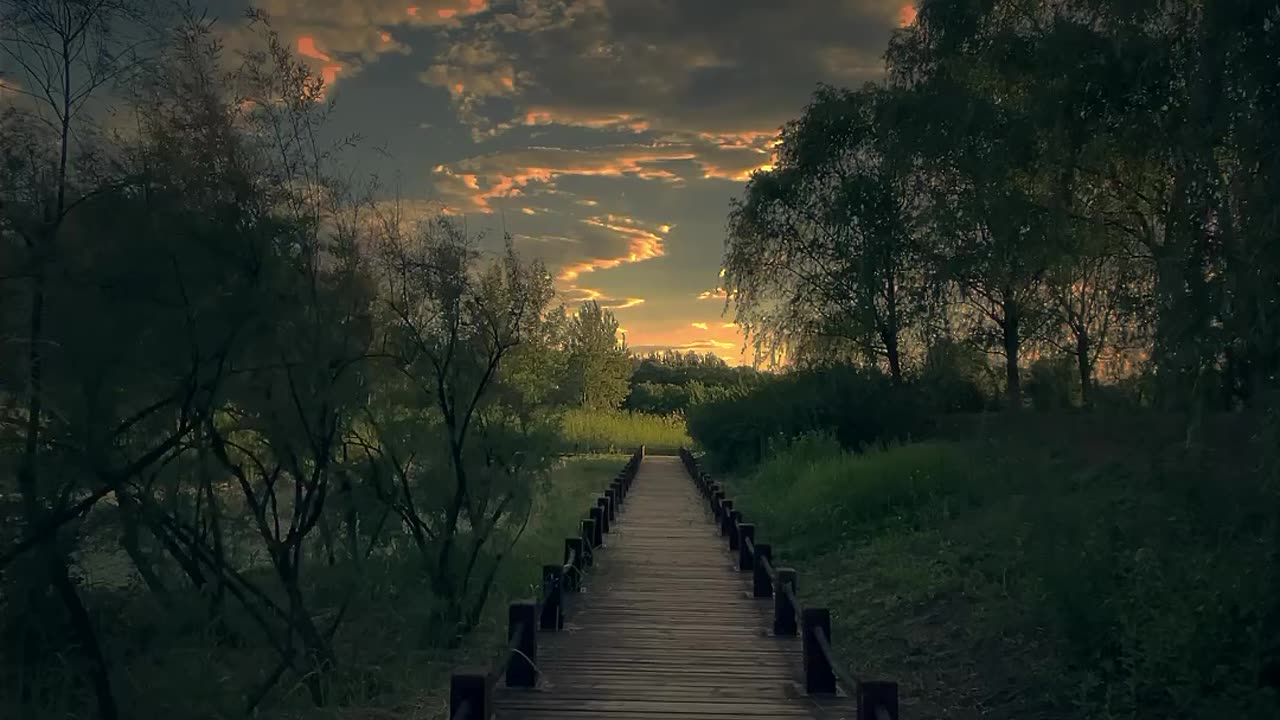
{"x": 667, "y": 626}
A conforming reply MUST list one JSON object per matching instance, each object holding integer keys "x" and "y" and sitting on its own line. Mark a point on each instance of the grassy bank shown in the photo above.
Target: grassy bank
{"x": 556, "y": 514}
{"x": 573, "y": 487}
{"x": 1022, "y": 575}
{"x": 589, "y": 431}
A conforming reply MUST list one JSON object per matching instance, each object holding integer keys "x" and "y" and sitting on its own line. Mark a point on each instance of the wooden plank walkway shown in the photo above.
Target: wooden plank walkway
{"x": 667, "y": 627}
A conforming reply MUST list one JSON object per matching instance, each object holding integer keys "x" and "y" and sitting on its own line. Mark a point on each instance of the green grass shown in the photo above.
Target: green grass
{"x": 571, "y": 491}
{"x": 589, "y": 431}
{"x": 1022, "y": 576}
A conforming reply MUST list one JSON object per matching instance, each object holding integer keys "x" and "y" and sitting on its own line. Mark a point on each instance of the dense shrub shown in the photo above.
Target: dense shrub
{"x": 855, "y": 407}
{"x": 1084, "y": 574}
{"x": 956, "y": 377}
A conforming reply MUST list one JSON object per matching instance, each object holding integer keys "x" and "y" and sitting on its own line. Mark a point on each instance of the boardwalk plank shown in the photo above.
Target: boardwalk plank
{"x": 666, "y": 627}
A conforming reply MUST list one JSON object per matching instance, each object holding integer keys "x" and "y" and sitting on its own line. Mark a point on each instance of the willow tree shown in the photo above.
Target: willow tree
{"x": 821, "y": 255}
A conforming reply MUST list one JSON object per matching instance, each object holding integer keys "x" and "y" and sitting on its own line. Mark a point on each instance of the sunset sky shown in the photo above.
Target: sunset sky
{"x": 607, "y": 136}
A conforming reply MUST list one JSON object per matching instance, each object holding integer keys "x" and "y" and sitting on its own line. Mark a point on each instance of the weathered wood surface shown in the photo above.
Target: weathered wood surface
{"x": 667, "y": 627}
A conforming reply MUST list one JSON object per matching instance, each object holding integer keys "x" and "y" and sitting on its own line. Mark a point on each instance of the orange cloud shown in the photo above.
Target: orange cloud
{"x": 616, "y": 121}
{"x": 581, "y": 295}
{"x": 307, "y": 48}
{"x": 717, "y": 294}
{"x": 642, "y": 244}
{"x": 699, "y": 325}
{"x": 907, "y": 15}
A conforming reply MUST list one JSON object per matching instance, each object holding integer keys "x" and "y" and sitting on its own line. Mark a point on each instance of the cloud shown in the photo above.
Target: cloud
{"x": 715, "y": 66}
{"x": 717, "y": 294}
{"x": 907, "y": 14}
{"x": 699, "y": 325}
{"x": 471, "y": 184}
{"x": 339, "y": 38}
{"x": 576, "y": 295}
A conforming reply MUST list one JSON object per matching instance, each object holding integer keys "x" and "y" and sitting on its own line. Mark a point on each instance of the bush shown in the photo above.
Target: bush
{"x": 1075, "y": 581}
{"x": 593, "y": 431}
{"x": 1053, "y": 384}
{"x": 858, "y": 409}
{"x": 956, "y": 378}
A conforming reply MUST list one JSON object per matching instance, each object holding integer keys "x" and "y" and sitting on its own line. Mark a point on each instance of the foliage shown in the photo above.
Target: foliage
{"x": 665, "y": 384}
{"x": 612, "y": 432}
{"x": 1086, "y": 178}
{"x": 821, "y": 250}
{"x": 276, "y": 409}
{"x": 858, "y": 408}
{"x": 1073, "y": 572}
{"x": 597, "y": 359}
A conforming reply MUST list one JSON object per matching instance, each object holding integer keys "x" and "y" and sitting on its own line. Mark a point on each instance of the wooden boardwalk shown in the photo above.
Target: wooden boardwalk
{"x": 666, "y": 626}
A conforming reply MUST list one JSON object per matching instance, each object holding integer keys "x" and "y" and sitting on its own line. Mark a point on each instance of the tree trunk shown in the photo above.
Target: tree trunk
{"x": 130, "y": 541}
{"x": 87, "y": 637}
{"x": 1085, "y": 367}
{"x": 893, "y": 353}
{"x": 1012, "y": 346}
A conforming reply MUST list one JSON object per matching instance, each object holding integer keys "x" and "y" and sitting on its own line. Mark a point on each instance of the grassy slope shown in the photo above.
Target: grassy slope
{"x": 573, "y": 488}
{"x": 599, "y": 431}
{"x": 391, "y": 669}
{"x": 1048, "y": 573}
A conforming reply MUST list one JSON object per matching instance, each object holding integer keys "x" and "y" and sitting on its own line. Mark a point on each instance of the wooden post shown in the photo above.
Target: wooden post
{"x": 611, "y": 499}
{"x": 618, "y": 494}
{"x": 784, "y": 613}
{"x": 726, "y": 512}
{"x": 874, "y": 694}
{"x": 470, "y": 687}
{"x": 819, "y": 679}
{"x": 597, "y": 518}
{"x": 553, "y": 609}
{"x": 726, "y": 516}
{"x": 735, "y": 519}
{"x": 746, "y": 532}
{"x": 717, "y": 498}
{"x": 522, "y": 634}
{"x": 589, "y": 535}
{"x": 603, "y": 504}
{"x": 573, "y": 557}
{"x": 761, "y": 583}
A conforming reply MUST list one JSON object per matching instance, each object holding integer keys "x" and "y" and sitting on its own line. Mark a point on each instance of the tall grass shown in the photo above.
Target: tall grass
{"x": 1032, "y": 579}
{"x": 588, "y": 431}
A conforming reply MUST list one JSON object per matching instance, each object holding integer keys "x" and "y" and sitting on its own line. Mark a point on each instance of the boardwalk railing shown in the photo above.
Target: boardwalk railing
{"x": 471, "y": 689}
{"x": 876, "y": 700}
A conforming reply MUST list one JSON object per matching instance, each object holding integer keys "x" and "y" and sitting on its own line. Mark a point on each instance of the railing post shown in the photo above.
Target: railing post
{"x": 590, "y": 536}
{"x": 735, "y": 519}
{"x": 603, "y": 504}
{"x": 746, "y": 541}
{"x": 470, "y": 687}
{"x": 726, "y": 513}
{"x": 874, "y": 695}
{"x": 819, "y": 679}
{"x": 522, "y": 635}
{"x": 552, "y": 586}
{"x": 597, "y": 519}
{"x": 611, "y": 502}
{"x": 717, "y": 497}
{"x": 784, "y": 613}
{"x": 573, "y": 557}
{"x": 761, "y": 584}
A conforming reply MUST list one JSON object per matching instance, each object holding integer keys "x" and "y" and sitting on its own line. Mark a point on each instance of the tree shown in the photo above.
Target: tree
{"x": 598, "y": 367}
{"x": 823, "y": 246}
{"x": 451, "y": 324}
